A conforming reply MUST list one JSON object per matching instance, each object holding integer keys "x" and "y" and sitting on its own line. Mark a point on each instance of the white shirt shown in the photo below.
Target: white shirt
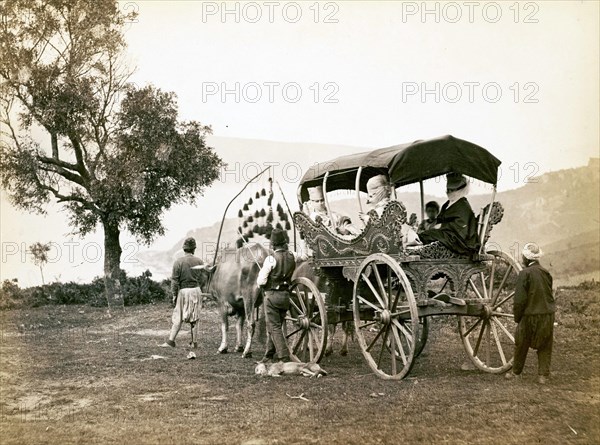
{"x": 269, "y": 265}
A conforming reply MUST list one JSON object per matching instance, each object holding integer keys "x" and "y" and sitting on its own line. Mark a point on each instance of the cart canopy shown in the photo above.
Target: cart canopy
{"x": 405, "y": 164}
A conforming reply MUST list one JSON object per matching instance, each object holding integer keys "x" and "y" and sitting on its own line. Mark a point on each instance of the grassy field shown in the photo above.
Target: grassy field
{"x": 72, "y": 374}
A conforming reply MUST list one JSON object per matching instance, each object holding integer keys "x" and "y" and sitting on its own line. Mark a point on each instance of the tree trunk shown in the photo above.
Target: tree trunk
{"x": 112, "y": 265}
{"x": 42, "y": 272}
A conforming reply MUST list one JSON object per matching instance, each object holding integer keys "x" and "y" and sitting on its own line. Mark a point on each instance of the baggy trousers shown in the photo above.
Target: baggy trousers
{"x": 537, "y": 332}
{"x": 277, "y": 304}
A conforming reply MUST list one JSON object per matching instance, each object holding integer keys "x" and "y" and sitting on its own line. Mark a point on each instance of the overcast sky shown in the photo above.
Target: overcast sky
{"x": 520, "y": 79}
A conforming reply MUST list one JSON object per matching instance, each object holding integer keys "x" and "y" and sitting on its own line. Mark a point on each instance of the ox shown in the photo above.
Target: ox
{"x": 232, "y": 283}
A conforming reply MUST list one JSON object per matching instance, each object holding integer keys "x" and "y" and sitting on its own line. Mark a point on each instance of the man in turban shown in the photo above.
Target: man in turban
{"x": 186, "y": 293}
{"x": 316, "y": 210}
{"x": 456, "y": 226}
{"x": 533, "y": 309}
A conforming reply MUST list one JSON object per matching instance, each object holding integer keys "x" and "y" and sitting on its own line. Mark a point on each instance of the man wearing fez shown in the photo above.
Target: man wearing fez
{"x": 456, "y": 226}
{"x": 186, "y": 293}
{"x": 316, "y": 210}
{"x": 274, "y": 278}
{"x": 533, "y": 309}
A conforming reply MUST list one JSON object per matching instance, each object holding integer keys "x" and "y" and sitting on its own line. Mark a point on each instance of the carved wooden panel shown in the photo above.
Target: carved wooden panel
{"x": 379, "y": 235}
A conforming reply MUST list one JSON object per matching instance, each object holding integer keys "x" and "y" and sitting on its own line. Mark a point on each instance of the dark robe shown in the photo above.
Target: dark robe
{"x": 459, "y": 228}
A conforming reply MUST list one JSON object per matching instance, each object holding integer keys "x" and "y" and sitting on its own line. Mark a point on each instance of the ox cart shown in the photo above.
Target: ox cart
{"x": 389, "y": 290}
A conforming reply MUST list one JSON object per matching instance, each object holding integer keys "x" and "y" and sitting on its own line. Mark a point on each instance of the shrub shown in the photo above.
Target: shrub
{"x": 136, "y": 290}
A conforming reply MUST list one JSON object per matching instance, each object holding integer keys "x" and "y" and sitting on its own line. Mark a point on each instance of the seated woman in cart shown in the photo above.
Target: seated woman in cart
{"x": 379, "y": 192}
{"x": 316, "y": 210}
{"x": 456, "y": 227}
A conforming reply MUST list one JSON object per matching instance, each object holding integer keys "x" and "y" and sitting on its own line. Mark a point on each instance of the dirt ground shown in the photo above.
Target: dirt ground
{"x": 72, "y": 374}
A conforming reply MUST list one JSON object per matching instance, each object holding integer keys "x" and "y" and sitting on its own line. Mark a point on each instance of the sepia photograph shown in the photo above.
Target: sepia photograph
{"x": 299, "y": 222}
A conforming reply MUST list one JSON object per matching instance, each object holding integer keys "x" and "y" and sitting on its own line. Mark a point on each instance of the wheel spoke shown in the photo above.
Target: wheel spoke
{"x": 400, "y": 347}
{"x": 301, "y": 296}
{"x": 366, "y": 325}
{"x": 385, "y": 336}
{"x": 296, "y": 331}
{"x": 489, "y": 345}
{"x": 295, "y": 320}
{"x": 381, "y": 302}
{"x": 316, "y": 326}
{"x": 476, "y": 350}
{"x": 380, "y": 285}
{"x": 298, "y": 342}
{"x": 490, "y": 293}
{"x": 363, "y": 300}
{"x": 475, "y": 289}
{"x": 296, "y": 307}
{"x": 374, "y": 340}
{"x": 481, "y": 276}
{"x": 503, "y": 314}
{"x": 504, "y": 301}
{"x": 393, "y": 354}
{"x": 472, "y": 328}
{"x": 506, "y": 332}
{"x": 508, "y": 271}
{"x": 305, "y": 344}
{"x": 498, "y": 344}
{"x": 408, "y": 334}
{"x": 310, "y": 344}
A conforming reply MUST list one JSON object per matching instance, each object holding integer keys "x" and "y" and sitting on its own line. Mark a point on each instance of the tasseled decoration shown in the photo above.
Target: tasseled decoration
{"x": 270, "y": 217}
{"x": 263, "y": 213}
{"x": 250, "y": 219}
{"x": 263, "y": 192}
{"x": 288, "y": 226}
{"x": 256, "y": 214}
{"x": 240, "y": 214}
{"x": 250, "y": 201}
{"x": 257, "y": 195}
{"x": 245, "y": 224}
{"x": 278, "y": 226}
{"x": 245, "y": 207}
{"x": 239, "y": 243}
{"x": 255, "y": 228}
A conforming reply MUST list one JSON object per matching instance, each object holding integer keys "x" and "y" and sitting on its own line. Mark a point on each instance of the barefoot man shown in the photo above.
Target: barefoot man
{"x": 187, "y": 296}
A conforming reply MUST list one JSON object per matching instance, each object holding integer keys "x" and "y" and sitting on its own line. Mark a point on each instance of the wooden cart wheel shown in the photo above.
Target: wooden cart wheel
{"x": 385, "y": 308}
{"x": 489, "y": 339}
{"x": 305, "y": 326}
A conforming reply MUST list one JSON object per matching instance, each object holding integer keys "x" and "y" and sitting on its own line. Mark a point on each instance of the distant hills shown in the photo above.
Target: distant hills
{"x": 559, "y": 210}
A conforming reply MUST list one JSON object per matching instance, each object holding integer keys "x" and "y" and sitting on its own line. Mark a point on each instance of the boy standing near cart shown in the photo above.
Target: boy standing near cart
{"x": 533, "y": 309}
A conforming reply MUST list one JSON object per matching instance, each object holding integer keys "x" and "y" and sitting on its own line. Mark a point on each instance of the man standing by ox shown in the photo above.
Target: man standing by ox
{"x": 275, "y": 277}
{"x": 533, "y": 309}
{"x": 187, "y": 296}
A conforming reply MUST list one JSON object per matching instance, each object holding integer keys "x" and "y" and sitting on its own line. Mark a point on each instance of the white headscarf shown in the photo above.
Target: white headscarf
{"x": 532, "y": 252}
{"x": 378, "y": 189}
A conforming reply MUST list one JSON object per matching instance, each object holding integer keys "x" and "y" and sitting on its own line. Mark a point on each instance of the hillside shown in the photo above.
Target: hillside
{"x": 558, "y": 210}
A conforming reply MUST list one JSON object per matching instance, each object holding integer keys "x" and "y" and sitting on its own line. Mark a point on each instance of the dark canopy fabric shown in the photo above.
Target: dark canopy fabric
{"x": 406, "y": 164}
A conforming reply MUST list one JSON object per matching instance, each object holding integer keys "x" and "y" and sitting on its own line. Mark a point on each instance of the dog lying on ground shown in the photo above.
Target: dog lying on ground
{"x": 289, "y": 368}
